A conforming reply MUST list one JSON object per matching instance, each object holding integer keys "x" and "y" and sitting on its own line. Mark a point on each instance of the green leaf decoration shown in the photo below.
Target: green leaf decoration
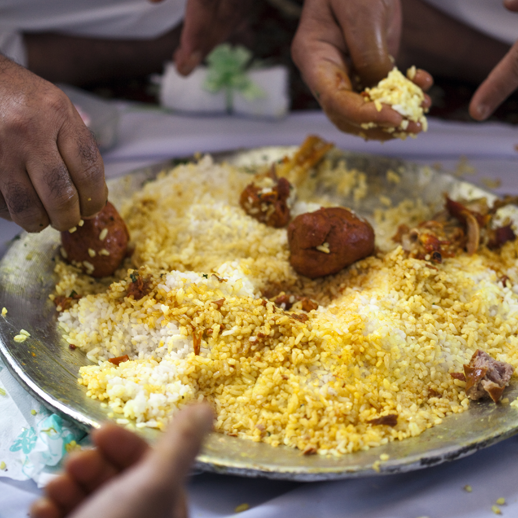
{"x": 228, "y": 71}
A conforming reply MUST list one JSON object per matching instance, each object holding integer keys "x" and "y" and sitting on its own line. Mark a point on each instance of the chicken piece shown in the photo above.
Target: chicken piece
{"x": 327, "y": 240}
{"x": 268, "y": 200}
{"x": 100, "y": 245}
{"x": 462, "y": 225}
{"x": 312, "y": 150}
{"x": 486, "y": 376}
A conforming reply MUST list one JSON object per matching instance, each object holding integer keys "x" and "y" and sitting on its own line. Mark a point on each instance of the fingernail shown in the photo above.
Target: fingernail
{"x": 190, "y": 63}
{"x": 483, "y": 111}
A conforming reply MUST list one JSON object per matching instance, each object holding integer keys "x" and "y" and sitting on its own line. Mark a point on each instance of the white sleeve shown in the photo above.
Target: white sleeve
{"x": 12, "y": 46}
{"x": 487, "y": 16}
{"x": 133, "y": 19}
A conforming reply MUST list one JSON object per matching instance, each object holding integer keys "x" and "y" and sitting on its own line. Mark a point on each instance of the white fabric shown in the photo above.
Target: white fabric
{"x": 188, "y": 94}
{"x": 147, "y": 136}
{"x": 487, "y": 16}
{"x": 92, "y": 18}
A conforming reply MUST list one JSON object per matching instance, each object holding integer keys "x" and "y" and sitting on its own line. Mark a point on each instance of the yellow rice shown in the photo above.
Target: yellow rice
{"x": 386, "y": 335}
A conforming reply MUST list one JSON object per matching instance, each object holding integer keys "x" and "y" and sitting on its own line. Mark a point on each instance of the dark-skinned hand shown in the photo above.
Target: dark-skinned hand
{"x": 500, "y": 83}
{"x": 338, "y": 41}
{"x": 51, "y": 172}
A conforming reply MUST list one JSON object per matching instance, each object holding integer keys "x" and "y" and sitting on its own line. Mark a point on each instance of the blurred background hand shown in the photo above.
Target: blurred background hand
{"x": 501, "y": 82}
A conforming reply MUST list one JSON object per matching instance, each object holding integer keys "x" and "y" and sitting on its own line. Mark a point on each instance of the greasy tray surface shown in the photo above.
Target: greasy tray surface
{"x": 48, "y": 368}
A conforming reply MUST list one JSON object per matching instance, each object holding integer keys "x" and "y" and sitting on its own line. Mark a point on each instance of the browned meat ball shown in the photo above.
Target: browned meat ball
{"x": 99, "y": 246}
{"x": 327, "y": 240}
{"x": 269, "y": 205}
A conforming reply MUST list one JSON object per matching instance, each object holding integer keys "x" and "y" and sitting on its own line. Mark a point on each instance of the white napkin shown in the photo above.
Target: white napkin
{"x": 188, "y": 94}
{"x": 33, "y": 440}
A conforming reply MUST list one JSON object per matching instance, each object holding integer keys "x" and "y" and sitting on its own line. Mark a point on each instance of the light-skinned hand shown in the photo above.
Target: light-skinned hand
{"x": 124, "y": 478}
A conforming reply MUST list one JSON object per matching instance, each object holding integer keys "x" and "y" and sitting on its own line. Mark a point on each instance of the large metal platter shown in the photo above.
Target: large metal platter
{"x": 48, "y": 369}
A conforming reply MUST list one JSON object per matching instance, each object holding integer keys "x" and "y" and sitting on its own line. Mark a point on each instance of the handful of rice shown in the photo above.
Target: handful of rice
{"x": 402, "y": 95}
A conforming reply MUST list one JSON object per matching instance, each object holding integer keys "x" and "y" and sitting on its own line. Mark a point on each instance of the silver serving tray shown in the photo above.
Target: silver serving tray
{"x": 48, "y": 369}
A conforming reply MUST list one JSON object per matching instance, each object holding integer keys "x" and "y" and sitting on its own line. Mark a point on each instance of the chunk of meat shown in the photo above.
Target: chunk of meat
{"x": 296, "y": 167}
{"x": 138, "y": 287}
{"x": 499, "y": 236}
{"x": 388, "y": 420}
{"x": 99, "y": 246}
{"x": 268, "y": 202}
{"x": 63, "y": 303}
{"x": 486, "y": 376}
{"x": 327, "y": 240}
{"x": 308, "y": 304}
{"x": 119, "y": 359}
{"x": 462, "y": 225}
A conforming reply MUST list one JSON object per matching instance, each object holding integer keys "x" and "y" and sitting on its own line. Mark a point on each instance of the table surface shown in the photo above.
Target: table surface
{"x": 148, "y": 136}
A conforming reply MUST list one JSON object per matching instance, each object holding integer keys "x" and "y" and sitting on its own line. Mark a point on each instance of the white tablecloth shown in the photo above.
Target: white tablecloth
{"x": 147, "y": 136}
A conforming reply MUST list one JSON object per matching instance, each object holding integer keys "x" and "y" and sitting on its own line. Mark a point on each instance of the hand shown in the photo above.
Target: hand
{"x": 124, "y": 478}
{"x": 51, "y": 171}
{"x": 501, "y": 82}
{"x": 207, "y": 23}
{"x": 337, "y": 40}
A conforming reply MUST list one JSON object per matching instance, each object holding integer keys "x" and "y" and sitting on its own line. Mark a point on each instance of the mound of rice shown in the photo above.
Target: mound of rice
{"x": 402, "y": 95}
{"x": 385, "y": 336}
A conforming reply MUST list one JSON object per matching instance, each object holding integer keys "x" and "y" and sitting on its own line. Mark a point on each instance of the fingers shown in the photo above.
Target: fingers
{"x": 154, "y": 487}
{"x": 55, "y": 190}
{"x": 89, "y": 469}
{"x": 50, "y": 169}
{"x": 367, "y": 28}
{"x": 500, "y": 83}
{"x": 65, "y": 493}
{"x": 22, "y": 201}
{"x": 423, "y": 80}
{"x": 512, "y": 5}
{"x": 83, "y": 161}
{"x": 176, "y": 451}
{"x": 321, "y": 53}
{"x": 120, "y": 447}
{"x": 207, "y": 23}
{"x": 45, "y": 508}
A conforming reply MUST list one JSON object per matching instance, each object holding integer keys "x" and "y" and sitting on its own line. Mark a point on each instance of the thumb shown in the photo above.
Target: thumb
{"x": 154, "y": 487}
{"x": 512, "y": 5}
{"x": 177, "y": 449}
{"x": 372, "y": 30}
{"x": 499, "y": 84}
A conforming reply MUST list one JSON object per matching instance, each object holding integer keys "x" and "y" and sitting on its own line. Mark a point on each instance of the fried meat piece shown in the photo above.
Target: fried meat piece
{"x": 486, "y": 376}
{"x": 268, "y": 200}
{"x": 462, "y": 225}
{"x": 98, "y": 246}
{"x": 327, "y": 240}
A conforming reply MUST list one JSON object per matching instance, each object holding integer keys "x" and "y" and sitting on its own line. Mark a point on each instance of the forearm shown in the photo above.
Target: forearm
{"x": 445, "y": 47}
{"x": 79, "y": 60}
